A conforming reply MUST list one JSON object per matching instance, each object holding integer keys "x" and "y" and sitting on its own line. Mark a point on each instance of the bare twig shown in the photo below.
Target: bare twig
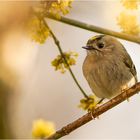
{"x": 93, "y": 28}
{"x": 57, "y": 43}
{"x": 98, "y": 111}
{"x": 70, "y": 70}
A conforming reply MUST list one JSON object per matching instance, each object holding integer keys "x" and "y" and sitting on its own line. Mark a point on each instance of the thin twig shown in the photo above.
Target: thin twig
{"x": 93, "y": 28}
{"x": 57, "y": 43}
{"x": 98, "y": 111}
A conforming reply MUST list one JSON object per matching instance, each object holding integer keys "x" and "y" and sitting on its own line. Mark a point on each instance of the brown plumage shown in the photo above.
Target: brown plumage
{"x": 108, "y": 68}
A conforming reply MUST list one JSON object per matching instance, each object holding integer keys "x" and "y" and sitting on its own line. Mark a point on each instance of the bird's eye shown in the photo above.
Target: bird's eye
{"x": 101, "y": 45}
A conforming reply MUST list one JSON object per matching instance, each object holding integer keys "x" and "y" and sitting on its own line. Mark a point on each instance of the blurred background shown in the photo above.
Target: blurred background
{"x": 34, "y": 90}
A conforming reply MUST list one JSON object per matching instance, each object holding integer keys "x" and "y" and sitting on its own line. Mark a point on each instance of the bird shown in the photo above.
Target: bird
{"x": 108, "y": 68}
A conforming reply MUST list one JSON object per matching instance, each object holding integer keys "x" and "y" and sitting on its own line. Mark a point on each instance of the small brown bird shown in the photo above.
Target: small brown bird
{"x": 108, "y": 67}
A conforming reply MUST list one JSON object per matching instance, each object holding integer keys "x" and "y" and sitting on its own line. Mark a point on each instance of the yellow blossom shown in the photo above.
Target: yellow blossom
{"x": 37, "y": 30}
{"x": 128, "y": 23}
{"x": 130, "y": 4}
{"x": 89, "y": 103}
{"x": 42, "y": 129}
{"x": 60, "y": 64}
{"x": 58, "y": 7}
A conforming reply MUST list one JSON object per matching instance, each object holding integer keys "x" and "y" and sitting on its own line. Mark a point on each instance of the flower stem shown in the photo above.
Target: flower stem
{"x": 57, "y": 43}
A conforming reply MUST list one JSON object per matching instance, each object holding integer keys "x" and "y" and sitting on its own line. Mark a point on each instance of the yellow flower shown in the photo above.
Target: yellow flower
{"x": 60, "y": 7}
{"x": 60, "y": 64}
{"x": 42, "y": 129}
{"x": 57, "y": 7}
{"x": 128, "y": 23}
{"x": 130, "y": 4}
{"x": 89, "y": 103}
{"x": 37, "y": 30}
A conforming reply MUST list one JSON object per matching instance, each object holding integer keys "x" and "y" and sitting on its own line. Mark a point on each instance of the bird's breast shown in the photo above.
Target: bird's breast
{"x": 107, "y": 77}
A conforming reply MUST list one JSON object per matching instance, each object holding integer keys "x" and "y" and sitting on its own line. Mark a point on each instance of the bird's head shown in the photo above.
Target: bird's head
{"x": 102, "y": 45}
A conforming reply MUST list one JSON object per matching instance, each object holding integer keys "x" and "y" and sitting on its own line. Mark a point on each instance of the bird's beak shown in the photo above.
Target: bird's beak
{"x": 87, "y": 47}
{"x": 90, "y": 48}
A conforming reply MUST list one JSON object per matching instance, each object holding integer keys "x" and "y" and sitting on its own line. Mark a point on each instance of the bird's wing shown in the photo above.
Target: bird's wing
{"x": 129, "y": 63}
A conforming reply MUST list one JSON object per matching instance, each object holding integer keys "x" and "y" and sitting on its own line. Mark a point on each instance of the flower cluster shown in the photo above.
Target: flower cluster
{"x": 61, "y": 6}
{"x": 37, "y": 30}
{"x": 60, "y": 64}
{"x": 57, "y": 7}
{"x": 128, "y": 20}
{"x": 128, "y": 23}
{"x": 89, "y": 103}
{"x": 42, "y": 129}
{"x": 130, "y": 4}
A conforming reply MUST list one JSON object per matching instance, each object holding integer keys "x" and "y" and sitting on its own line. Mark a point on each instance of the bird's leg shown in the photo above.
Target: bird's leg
{"x": 100, "y": 101}
{"x": 124, "y": 88}
{"x": 93, "y": 109}
{"x": 92, "y": 112}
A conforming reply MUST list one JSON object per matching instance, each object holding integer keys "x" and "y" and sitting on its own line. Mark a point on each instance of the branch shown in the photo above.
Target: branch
{"x": 93, "y": 28}
{"x": 98, "y": 111}
{"x": 57, "y": 43}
